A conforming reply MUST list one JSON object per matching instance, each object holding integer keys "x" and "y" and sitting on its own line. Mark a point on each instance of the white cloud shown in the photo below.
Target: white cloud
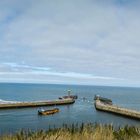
{"x": 16, "y": 69}
{"x": 21, "y": 67}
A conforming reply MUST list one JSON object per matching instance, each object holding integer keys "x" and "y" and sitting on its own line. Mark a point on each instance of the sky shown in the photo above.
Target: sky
{"x": 88, "y": 42}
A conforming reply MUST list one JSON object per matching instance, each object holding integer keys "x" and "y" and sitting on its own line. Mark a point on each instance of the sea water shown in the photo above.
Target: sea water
{"x": 82, "y": 111}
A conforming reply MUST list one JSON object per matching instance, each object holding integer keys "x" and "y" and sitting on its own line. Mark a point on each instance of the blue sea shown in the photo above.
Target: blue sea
{"x": 13, "y": 120}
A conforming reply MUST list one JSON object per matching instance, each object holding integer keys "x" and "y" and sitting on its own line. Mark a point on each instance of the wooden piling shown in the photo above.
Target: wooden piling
{"x": 117, "y": 110}
{"x": 36, "y": 104}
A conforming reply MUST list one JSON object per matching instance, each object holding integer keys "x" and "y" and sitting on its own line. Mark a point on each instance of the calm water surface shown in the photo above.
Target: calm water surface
{"x": 82, "y": 111}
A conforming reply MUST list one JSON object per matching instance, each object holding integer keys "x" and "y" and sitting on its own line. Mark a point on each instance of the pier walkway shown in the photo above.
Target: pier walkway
{"x": 36, "y": 103}
{"x": 117, "y": 110}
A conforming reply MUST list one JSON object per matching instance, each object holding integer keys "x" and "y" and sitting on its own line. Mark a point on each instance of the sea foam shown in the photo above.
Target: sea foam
{"x": 7, "y": 101}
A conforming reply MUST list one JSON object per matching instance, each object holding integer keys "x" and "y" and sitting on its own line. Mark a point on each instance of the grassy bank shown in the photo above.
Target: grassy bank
{"x": 79, "y": 132}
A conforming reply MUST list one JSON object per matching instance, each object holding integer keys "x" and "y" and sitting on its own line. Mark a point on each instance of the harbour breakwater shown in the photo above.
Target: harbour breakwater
{"x": 36, "y": 103}
{"x": 103, "y": 106}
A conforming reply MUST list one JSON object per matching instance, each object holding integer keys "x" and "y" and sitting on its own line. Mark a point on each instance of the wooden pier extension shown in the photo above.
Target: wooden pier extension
{"x": 117, "y": 110}
{"x": 36, "y": 103}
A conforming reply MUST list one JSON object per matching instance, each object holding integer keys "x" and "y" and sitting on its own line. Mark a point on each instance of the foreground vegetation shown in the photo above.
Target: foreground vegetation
{"x": 79, "y": 132}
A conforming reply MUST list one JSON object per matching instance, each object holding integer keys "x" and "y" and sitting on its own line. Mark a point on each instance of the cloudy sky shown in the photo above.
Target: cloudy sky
{"x": 94, "y": 42}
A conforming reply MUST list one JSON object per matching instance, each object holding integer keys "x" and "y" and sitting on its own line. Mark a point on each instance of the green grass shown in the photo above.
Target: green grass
{"x": 78, "y": 132}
